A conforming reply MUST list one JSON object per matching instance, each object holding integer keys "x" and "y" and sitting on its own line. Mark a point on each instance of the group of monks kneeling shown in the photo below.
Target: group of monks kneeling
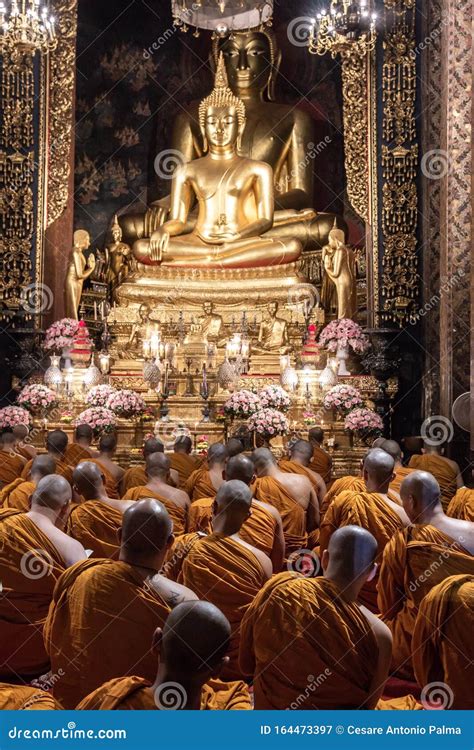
{"x": 231, "y": 582}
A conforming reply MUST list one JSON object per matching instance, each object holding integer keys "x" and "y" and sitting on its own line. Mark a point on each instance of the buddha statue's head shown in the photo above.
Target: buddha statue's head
{"x": 116, "y": 230}
{"x": 252, "y": 61}
{"x": 221, "y": 115}
{"x": 82, "y": 239}
{"x": 336, "y": 238}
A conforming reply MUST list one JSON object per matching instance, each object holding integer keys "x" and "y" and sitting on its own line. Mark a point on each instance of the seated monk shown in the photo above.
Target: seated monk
{"x": 26, "y": 698}
{"x": 299, "y": 463}
{"x": 394, "y": 450}
{"x": 136, "y": 475}
{"x": 80, "y": 449}
{"x": 104, "y": 612}
{"x": 182, "y": 461}
{"x": 192, "y": 651}
{"x": 263, "y": 529}
{"x": 11, "y": 464}
{"x": 22, "y": 445}
{"x": 175, "y": 501}
{"x": 442, "y": 640}
{"x": 234, "y": 446}
{"x": 56, "y": 446}
{"x": 96, "y": 521}
{"x": 372, "y": 509}
{"x": 299, "y": 627}
{"x": 446, "y": 472}
{"x": 462, "y": 504}
{"x": 321, "y": 461}
{"x": 33, "y": 554}
{"x": 205, "y": 481}
{"x": 113, "y": 473}
{"x": 342, "y": 484}
{"x": 292, "y": 495}
{"x": 225, "y": 570}
{"x": 416, "y": 559}
{"x": 17, "y": 494}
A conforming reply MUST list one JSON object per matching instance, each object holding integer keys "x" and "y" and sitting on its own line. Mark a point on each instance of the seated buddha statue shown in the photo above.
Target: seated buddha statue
{"x": 278, "y": 134}
{"x": 235, "y": 222}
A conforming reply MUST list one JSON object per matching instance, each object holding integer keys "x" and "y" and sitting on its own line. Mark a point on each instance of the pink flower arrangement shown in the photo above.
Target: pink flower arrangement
{"x": 343, "y": 398}
{"x": 99, "y": 395}
{"x": 274, "y": 397}
{"x": 61, "y": 334}
{"x": 202, "y": 445}
{"x": 10, "y": 416}
{"x": 36, "y": 398}
{"x": 126, "y": 404}
{"x": 242, "y": 404}
{"x": 269, "y": 422}
{"x": 363, "y": 422}
{"x": 343, "y": 333}
{"x": 100, "y": 419}
{"x": 309, "y": 418}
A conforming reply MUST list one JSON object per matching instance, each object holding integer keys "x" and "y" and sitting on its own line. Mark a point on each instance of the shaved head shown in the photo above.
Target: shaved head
{"x": 240, "y": 467}
{"x": 7, "y": 437}
{"x": 393, "y": 449}
{"x": 234, "y": 447}
{"x": 352, "y": 552}
{"x": 42, "y": 466}
{"x": 420, "y": 492}
{"x": 146, "y": 530}
{"x": 183, "y": 444}
{"x": 378, "y": 442}
{"x": 217, "y": 454}
{"x": 88, "y": 480}
{"x": 84, "y": 432}
{"x": 52, "y": 492}
{"x": 378, "y": 469}
{"x": 157, "y": 465}
{"x": 316, "y": 434}
{"x": 108, "y": 442}
{"x": 231, "y": 506}
{"x": 56, "y": 442}
{"x": 303, "y": 450}
{"x": 20, "y": 431}
{"x": 263, "y": 459}
{"x": 153, "y": 445}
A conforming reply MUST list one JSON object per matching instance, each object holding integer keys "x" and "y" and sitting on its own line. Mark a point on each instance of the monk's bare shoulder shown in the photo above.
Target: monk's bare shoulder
{"x": 273, "y": 511}
{"x": 381, "y": 630}
{"x": 264, "y": 561}
{"x": 171, "y": 592}
{"x": 461, "y": 531}
{"x": 70, "y": 549}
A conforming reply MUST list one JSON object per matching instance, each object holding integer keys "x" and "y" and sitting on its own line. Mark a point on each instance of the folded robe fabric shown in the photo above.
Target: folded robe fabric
{"x": 321, "y": 463}
{"x": 292, "y": 467}
{"x": 177, "y": 514}
{"x": 134, "y": 694}
{"x": 442, "y": 471}
{"x": 30, "y": 566}
{"x": 443, "y": 645}
{"x": 415, "y": 560}
{"x": 75, "y": 453}
{"x": 17, "y": 495}
{"x": 11, "y": 467}
{"x": 100, "y": 625}
{"x": 133, "y": 477}
{"x": 462, "y": 505}
{"x": 184, "y": 464}
{"x": 26, "y": 698}
{"x": 401, "y": 473}
{"x": 96, "y": 525}
{"x": 343, "y": 484}
{"x": 293, "y": 515}
{"x": 200, "y": 485}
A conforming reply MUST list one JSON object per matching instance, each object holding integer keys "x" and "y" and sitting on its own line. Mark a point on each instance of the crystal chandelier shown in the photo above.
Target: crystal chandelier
{"x": 346, "y": 25}
{"x": 25, "y": 27}
{"x": 221, "y": 16}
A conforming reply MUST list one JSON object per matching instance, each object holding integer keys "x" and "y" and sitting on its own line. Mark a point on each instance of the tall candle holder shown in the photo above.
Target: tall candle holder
{"x": 204, "y": 391}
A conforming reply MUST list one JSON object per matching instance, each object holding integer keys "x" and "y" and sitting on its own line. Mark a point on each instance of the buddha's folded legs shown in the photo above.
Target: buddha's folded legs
{"x": 248, "y": 253}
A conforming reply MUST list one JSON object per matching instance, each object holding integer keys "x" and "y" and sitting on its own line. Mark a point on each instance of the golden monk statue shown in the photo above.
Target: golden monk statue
{"x": 211, "y": 322}
{"x": 273, "y": 333}
{"x": 119, "y": 256}
{"x": 78, "y": 270}
{"x": 280, "y": 135}
{"x": 235, "y": 222}
{"x": 340, "y": 265}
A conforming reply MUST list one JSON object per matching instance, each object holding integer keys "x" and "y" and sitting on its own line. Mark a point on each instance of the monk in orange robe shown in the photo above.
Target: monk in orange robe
{"x": 96, "y": 521}
{"x": 442, "y": 641}
{"x": 11, "y": 464}
{"x": 136, "y": 476}
{"x": 373, "y": 509}
{"x": 17, "y": 494}
{"x": 321, "y": 461}
{"x": 400, "y": 471}
{"x": 299, "y": 463}
{"x": 309, "y": 644}
{"x": 104, "y": 612}
{"x": 33, "y": 554}
{"x": 446, "y": 472}
{"x": 80, "y": 449}
{"x": 418, "y": 558}
{"x": 183, "y": 461}
{"x": 291, "y": 494}
{"x": 26, "y": 698}
{"x": 56, "y": 446}
{"x": 462, "y": 505}
{"x": 342, "y": 484}
{"x": 23, "y": 445}
{"x": 113, "y": 473}
{"x": 225, "y": 570}
{"x": 205, "y": 481}
{"x": 175, "y": 501}
{"x": 192, "y": 651}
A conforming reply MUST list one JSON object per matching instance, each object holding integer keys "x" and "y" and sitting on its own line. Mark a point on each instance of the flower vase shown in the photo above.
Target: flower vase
{"x": 342, "y": 355}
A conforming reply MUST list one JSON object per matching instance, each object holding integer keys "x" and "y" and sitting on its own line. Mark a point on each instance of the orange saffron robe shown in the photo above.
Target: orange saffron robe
{"x": 135, "y": 476}
{"x": 30, "y": 566}
{"x": 62, "y": 468}
{"x": 111, "y": 484}
{"x": 11, "y": 467}
{"x": 293, "y": 515}
{"x": 443, "y": 637}
{"x": 224, "y": 572}
{"x": 291, "y": 467}
{"x": 25, "y": 698}
{"x": 401, "y": 472}
{"x": 96, "y": 525}
{"x": 100, "y": 625}
{"x": 134, "y": 694}
{"x": 200, "y": 485}
{"x": 343, "y": 484}
{"x": 414, "y": 561}
{"x": 442, "y": 471}
{"x": 321, "y": 463}
{"x": 17, "y": 495}
{"x": 177, "y": 514}
{"x": 462, "y": 505}
{"x": 184, "y": 464}
{"x": 75, "y": 453}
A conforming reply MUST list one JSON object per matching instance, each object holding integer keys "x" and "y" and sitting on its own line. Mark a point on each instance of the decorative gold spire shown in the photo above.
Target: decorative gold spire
{"x": 222, "y": 96}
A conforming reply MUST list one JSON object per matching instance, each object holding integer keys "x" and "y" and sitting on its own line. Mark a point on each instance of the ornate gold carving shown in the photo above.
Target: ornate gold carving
{"x": 61, "y": 101}
{"x": 399, "y": 163}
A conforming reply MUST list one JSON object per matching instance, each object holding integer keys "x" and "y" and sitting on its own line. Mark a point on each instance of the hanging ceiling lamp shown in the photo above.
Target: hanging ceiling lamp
{"x": 222, "y": 16}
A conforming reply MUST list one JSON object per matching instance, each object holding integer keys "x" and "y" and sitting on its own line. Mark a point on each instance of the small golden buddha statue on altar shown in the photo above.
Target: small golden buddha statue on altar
{"x": 119, "y": 257}
{"x": 211, "y": 322}
{"x": 273, "y": 333}
{"x": 339, "y": 263}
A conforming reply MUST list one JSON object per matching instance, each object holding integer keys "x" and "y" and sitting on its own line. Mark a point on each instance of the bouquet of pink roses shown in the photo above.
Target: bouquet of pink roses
{"x": 343, "y": 333}
{"x": 61, "y": 334}
{"x": 268, "y": 422}
{"x": 242, "y": 404}
{"x": 99, "y": 395}
{"x": 274, "y": 397}
{"x": 126, "y": 404}
{"x": 100, "y": 419}
{"x": 309, "y": 418}
{"x": 10, "y": 416}
{"x": 343, "y": 398}
{"x": 37, "y": 398}
{"x": 363, "y": 422}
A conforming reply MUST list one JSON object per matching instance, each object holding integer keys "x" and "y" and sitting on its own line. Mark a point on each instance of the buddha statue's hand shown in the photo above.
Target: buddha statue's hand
{"x": 158, "y": 244}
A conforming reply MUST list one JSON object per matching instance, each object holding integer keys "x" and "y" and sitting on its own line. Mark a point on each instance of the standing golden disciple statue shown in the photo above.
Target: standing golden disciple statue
{"x": 340, "y": 266}
{"x": 79, "y": 269}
